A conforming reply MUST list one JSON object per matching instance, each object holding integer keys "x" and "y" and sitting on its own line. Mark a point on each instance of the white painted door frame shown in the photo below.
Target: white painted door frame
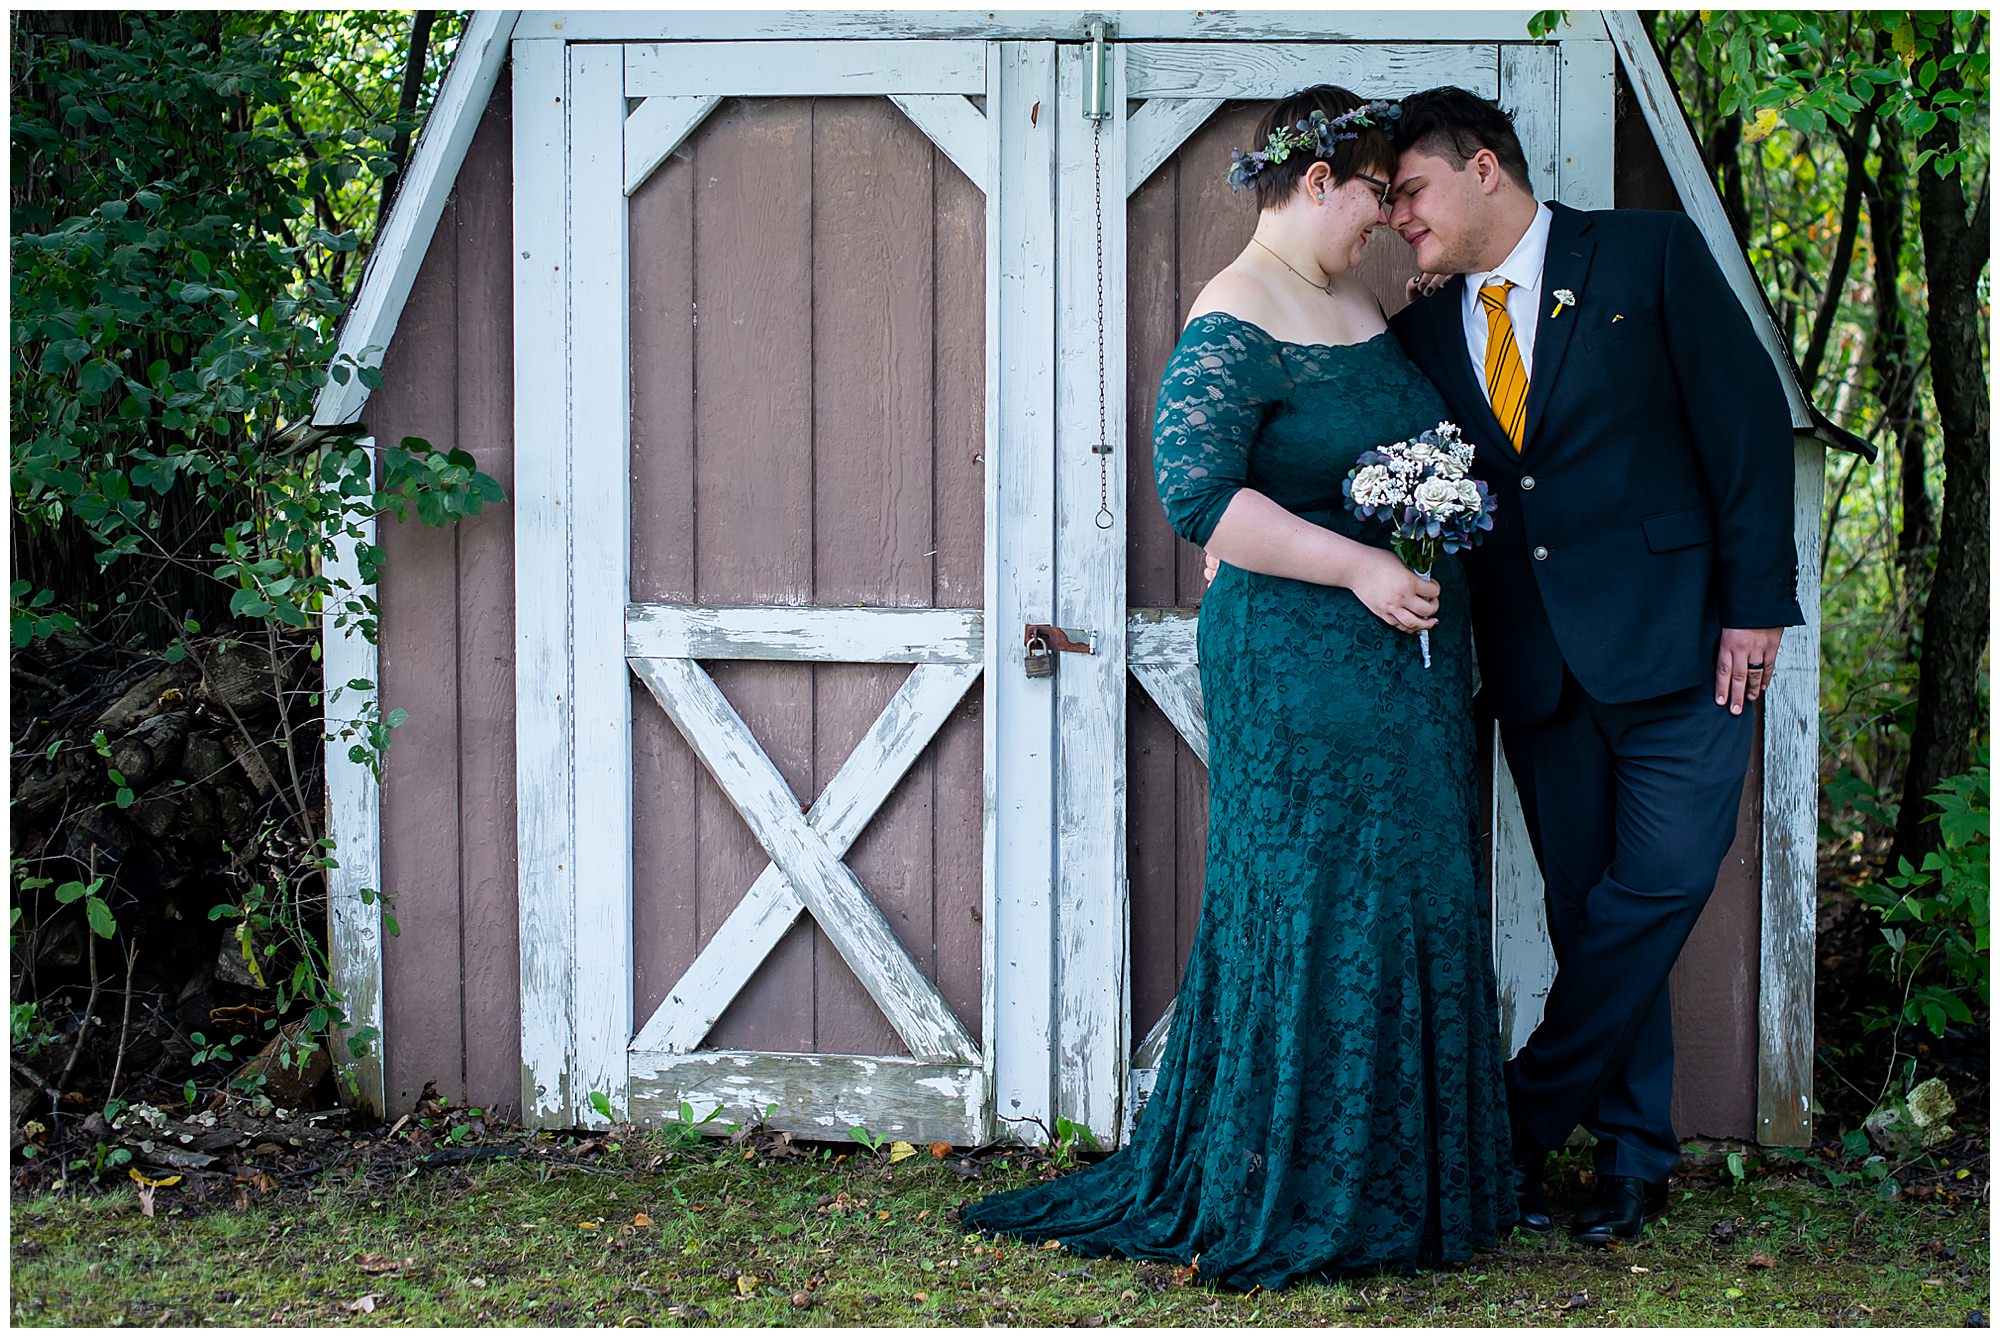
{"x": 591, "y": 122}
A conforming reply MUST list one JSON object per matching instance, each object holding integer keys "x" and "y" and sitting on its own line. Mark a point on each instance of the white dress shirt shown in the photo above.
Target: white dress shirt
{"x": 1522, "y": 267}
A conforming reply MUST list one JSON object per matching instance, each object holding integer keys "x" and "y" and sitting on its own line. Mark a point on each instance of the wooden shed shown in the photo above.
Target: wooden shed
{"x": 793, "y": 338}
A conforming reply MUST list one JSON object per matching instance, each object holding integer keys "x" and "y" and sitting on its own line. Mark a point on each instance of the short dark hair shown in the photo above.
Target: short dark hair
{"x": 1454, "y": 124}
{"x": 1371, "y": 149}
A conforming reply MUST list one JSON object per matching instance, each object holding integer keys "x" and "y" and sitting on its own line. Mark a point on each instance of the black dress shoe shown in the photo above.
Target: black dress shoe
{"x": 1619, "y": 1210}
{"x": 1530, "y": 1202}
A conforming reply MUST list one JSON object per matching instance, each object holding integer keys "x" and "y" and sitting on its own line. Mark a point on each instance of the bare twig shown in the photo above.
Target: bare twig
{"x": 124, "y": 1017}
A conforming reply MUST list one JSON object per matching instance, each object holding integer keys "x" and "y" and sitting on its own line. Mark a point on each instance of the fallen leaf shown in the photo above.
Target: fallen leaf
{"x": 382, "y": 1263}
{"x": 920, "y": 1297}
{"x": 361, "y": 1305}
{"x": 943, "y": 1150}
{"x": 151, "y": 1183}
{"x": 641, "y": 1220}
{"x": 586, "y": 1226}
{"x": 1733, "y": 1293}
{"x": 475, "y": 1282}
{"x": 899, "y": 1150}
{"x": 922, "y": 1215}
{"x": 1640, "y": 1268}
{"x": 1760, "y": 1260}
{"x": 745, "y": 1283}
{"x": 801, "y": 1300}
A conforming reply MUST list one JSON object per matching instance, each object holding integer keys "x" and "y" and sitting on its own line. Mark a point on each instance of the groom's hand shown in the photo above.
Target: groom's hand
{"x": 1745, "y": 664}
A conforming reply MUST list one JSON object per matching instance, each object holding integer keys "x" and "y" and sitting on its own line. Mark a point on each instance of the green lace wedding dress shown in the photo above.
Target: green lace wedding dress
{"x": 1330, "y": 1097}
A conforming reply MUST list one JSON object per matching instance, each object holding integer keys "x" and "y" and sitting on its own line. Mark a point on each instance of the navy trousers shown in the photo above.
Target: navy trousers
{"x": 1631, "y": 808}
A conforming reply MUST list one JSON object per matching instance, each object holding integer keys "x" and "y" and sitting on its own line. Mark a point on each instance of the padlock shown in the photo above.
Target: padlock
{"x": 1038, "y": 659}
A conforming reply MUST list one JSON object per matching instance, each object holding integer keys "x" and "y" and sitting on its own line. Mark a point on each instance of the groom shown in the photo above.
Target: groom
{"x": 1628, "y": 603}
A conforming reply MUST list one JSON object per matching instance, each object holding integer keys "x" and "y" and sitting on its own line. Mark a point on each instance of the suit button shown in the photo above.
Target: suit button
{"x": 1528, "y": 483}
{"x": 1541, "y": 553}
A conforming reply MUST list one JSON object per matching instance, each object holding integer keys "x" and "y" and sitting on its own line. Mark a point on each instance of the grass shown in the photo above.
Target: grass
{"x": 730, "y": 1236}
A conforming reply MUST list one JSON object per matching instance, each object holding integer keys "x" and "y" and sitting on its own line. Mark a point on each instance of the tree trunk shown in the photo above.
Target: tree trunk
{"x": 1890, "y": 357}
{"x": 1956, "y": 248}
{"x": 406, "y": 107}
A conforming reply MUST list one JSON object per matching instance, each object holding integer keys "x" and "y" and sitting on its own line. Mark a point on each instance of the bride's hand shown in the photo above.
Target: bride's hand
{"x": 1210, "y": 564}
{"x": 1423, "y": 285}
{"x": 1395, "y": 594}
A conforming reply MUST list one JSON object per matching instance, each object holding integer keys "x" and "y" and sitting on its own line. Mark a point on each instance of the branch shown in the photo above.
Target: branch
{"x": 406, "y": 110}
{"x": 1855, "y": 147}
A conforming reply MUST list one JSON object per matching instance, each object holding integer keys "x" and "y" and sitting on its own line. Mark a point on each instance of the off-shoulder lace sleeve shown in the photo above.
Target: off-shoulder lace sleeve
{"x": 1223, "y": 378}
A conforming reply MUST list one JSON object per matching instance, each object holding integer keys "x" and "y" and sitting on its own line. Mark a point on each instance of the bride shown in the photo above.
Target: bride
{"x": 1330, "y": 1097}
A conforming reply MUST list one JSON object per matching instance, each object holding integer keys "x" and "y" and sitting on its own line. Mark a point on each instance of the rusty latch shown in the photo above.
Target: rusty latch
{"x": 1061, "y": 639}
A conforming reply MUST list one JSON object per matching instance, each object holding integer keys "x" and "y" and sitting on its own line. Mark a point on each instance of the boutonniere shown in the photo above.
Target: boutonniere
{"x": 1564, "y": 298}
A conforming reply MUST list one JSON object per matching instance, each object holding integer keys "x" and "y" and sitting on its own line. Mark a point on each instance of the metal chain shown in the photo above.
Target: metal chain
{"x": 1104, "y": 517}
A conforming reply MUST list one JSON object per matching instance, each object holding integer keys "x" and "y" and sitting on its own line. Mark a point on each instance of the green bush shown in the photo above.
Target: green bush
{"x": 1934, "y": 919}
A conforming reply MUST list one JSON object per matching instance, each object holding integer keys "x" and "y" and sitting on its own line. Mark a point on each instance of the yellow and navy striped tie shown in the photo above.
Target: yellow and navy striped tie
{"x": 1506, "y": 382}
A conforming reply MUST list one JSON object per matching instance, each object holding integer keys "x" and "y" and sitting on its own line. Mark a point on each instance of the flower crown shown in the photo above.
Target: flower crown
{"x": 1319, "y": 133}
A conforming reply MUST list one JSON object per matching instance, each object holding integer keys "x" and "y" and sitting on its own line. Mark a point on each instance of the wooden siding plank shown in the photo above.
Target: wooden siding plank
{"x": 666, "y": 778}
{"x": 353, "y": 820}
{"x": 1067, "y": 25}
{"x": 956, "y": 126}
{"x": 819, "y": 1095}
{"x": 840, "y": 814}
{"x": 1586, "y": 89}
{"x": 541, "y": 585}
{"x": 828, "y": 635}
{"x": 839, "y": 904}
{"x": 1273, "y": 70}
{"x": 418, "y": 649}
{"x": 1154, "y": 755}
{"x": 753, "y": 517}
{"x": 656, "y": 128}
{"x": 958, "y": 428}
{"x": 1091, "y": 912}
{"x": 406, "y": 234}
{"x": 1153, "y": 132}
{"x": 873, "y": 494}
{"x": 1019, "y": 857}
{"x": 488, "y": 873}
{"x": 800, "y": 69}
{"x": 1787, "y": 952}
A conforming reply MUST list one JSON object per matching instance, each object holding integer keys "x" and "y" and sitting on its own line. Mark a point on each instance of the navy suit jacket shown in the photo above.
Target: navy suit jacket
{"x": 1650, "y": 505}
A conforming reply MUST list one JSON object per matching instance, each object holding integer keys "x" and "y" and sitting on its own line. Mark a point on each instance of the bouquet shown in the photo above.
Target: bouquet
{"x": 1424, "y": 489}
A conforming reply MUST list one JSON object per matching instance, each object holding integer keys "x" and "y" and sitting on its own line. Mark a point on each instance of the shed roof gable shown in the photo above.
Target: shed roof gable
{"x": 482, "y": 53}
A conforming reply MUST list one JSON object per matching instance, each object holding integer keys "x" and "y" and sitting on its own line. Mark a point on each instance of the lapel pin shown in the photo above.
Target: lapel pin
{"x": 1564, "y": 298}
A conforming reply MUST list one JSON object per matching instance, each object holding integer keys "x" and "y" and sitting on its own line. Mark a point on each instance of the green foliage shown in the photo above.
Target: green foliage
{"x": 873, "y": 1142}
{"x": 1935, "y": 919}
{"x": 1807, "y": 68}
{"x": 192, "y": 193}
{"x": 1071, "y": 1140}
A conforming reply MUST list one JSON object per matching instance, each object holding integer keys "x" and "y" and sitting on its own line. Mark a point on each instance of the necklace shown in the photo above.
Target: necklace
{"x": 1326, "y": 287}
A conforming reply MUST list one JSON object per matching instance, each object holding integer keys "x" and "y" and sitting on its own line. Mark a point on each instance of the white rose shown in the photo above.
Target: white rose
{"x": 1375, "y": 486}
{"x": 1438, "y": 497}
